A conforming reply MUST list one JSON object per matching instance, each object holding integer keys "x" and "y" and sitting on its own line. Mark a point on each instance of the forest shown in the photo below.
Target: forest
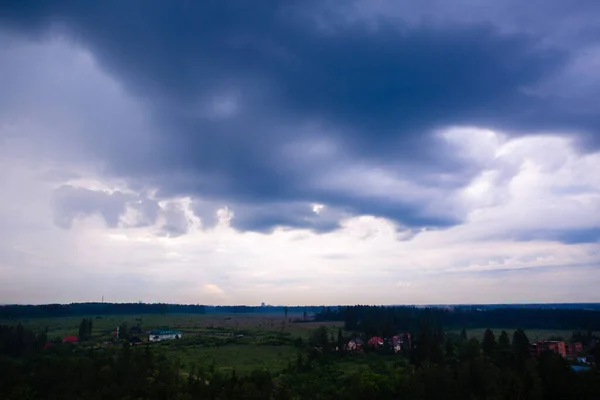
{"x": 383, "y": 321}
{"x": 102, "y": 308}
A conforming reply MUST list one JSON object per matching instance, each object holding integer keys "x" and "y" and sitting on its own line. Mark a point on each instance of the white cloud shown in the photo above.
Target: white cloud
{"x": 318, "y": 208}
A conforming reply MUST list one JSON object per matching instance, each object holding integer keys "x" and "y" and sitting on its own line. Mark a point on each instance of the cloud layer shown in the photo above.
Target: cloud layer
{"x": 325, "y": 152}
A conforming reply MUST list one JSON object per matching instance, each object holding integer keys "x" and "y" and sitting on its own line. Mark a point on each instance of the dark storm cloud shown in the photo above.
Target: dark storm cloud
{"x": 264, "y": 217}
{"x": 230, "y": 85}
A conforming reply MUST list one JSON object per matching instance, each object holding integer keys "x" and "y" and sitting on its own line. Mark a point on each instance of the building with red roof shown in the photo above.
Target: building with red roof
{"x": 375, "y": 341}
{"x": 70, "y": 339}
{"x": 556, "y": 346}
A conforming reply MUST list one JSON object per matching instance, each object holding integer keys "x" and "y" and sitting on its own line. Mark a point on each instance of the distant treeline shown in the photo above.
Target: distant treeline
{"x": 87, "y": 309}
{"x": 387, "y": 320}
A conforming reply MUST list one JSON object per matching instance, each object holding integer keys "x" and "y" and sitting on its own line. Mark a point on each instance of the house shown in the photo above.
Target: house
{"x": 70, "y": 339}
{"x": 355, "y": 344}
{"x": 375, "y": 341}
{"x": 397, "y": 343}
{"x": 557, "y": 346}
{"x": 157, "y": 335}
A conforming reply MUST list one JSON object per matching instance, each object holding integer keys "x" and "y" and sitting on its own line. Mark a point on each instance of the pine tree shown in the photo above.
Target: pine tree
{"x": 520, "y": 345}
{"x": 450, "y": 353}
{"x": 463, "y": 335}
{"x": 489, "y": 343}
{"x": 83, "y": 330}
{"x": 504, "y": 341}
{"x": 89, "y": 328}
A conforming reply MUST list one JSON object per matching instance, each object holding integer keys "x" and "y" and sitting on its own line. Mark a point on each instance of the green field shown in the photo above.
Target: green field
{"x": 207, "y": 338}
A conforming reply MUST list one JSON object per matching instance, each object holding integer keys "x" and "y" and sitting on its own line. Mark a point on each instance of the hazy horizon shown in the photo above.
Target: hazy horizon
{"x": 352, "y": 152}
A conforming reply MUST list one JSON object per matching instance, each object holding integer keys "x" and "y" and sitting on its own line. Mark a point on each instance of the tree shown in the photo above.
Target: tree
{"x": 470, "y": 350}
{"x": 450, "y": 353}
{"x": 463, "y": 335}
{"x": 596, "y": 353}
{"x": 89, "y": 328}
{"x": 340, "y": 340}
{"x": 489, "y": 343}
{"x": 124, "y": 331}
{"x": 285, "y": 311}
{"x": 85, "y": 329}
{"x": 504, "y": 341}
{"x": 320, "y": 338}
{"x": 520, "y": 345}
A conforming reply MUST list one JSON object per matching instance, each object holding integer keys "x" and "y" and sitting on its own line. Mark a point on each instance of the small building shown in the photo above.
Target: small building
{"x": 400, "y": 341}
{"x": 157, "y": 335}
{"x": 355, "y": 344}
{"x": 397, "y": 343}
{"x": 549, "y": 345}
{"x": 70, "y": 339}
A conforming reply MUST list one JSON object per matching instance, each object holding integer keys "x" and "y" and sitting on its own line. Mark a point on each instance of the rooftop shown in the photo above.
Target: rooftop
{"x": 164, "y": 332}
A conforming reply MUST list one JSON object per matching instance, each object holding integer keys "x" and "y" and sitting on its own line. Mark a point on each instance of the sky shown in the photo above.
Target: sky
{"x": 313, "y": 152}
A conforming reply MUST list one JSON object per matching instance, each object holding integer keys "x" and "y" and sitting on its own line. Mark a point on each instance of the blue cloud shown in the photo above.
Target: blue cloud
{"x": 378, "y": 91}
{"x": 568, "y": 236}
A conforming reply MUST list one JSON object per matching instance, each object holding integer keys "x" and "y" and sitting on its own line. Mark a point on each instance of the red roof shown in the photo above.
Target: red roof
{"x": 70, "y": 339}
{"x": 375, "y": 341}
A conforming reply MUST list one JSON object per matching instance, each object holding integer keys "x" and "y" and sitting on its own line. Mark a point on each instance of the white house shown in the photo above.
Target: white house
{"x": 157, "y": 335}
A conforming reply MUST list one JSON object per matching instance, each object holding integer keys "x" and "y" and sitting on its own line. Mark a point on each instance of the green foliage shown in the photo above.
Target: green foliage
{"x": 320, "y": 338}
{"x": 18, "y": 341}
